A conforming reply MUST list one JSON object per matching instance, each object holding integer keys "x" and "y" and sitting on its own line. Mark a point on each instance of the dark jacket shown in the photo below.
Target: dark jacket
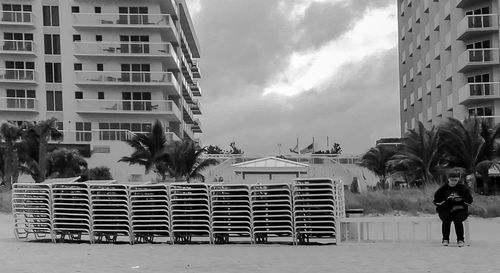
{"x": 452, "y": 198}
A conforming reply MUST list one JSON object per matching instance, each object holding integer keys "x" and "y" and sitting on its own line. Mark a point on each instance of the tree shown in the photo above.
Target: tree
{"x": 470, "y": 145}
{"x": 336, "y": 149}
{"x": 214, "y": 150}
{"x": 234, "y": 150}
{"x": 150, "y": 150}
{"x": 10, "y": 157}
{"x": 421, "y": 151}
{"x": 35, "y": 139}
{"x": 64, "y": 162}
{"x": 97, "y": 173}
{"x": 376, "y": 160}
{"x": 185, "y": 162}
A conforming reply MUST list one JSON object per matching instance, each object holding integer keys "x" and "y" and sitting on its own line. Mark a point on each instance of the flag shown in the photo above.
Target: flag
{"x": 294, "y": 150}
{"x": 308, "y": 149}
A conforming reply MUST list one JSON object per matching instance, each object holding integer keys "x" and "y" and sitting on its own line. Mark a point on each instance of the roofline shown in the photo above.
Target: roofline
{"x": 190, "y": 33}
{"x": 269, "y": 157}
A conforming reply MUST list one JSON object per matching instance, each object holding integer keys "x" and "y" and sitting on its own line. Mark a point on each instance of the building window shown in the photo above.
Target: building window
{"x": 83, "y": 131}
{"x": 100, "y": 67}
{"x": 54, "y": 101}
{"x": 52, "y": 44}
{"x": 21, "y": 99}
{"x": 51, "y": 16}
{"x": 75, "y": 9}
{"x": 98, "y": 38}
{"x": 97, "y": 9}
{"x": 77, "y": 38}
{"x": 480, "y": 85}
{"x": 78, "y": 95}
{"x": 16, "y": 13}
{"x": 134, "y": 44}
{"x": 53, "y": 72}
{"x": 18, "y": 41}
{"x": 133, "y": 15}
{"x": 136, "y": 101}
{"x": 19, "y": 70}
{"x": 100, "y": 95}
{"x": 77, "y": 66}
{"x": 135, "y": 72}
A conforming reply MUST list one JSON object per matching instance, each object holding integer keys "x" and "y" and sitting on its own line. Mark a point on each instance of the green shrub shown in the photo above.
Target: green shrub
{"x": 5, "y": 201}
{"x": 414, "y": 201}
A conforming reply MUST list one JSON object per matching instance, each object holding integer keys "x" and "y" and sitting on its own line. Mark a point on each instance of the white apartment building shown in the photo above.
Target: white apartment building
{"x": 449, "y": 60}
{"x": 104, "y": 69}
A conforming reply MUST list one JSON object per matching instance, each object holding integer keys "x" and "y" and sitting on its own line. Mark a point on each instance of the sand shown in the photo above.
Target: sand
{"x": 18, "y": 256}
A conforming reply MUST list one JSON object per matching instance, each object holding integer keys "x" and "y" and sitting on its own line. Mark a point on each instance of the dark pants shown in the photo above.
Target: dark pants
{"x": 457, "y": 217}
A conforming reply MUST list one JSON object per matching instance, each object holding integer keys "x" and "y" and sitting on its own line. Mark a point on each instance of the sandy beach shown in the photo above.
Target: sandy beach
{"x": 18, "y": 256}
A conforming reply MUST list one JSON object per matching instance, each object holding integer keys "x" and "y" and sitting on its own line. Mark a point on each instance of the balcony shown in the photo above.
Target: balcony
{"x": 17, "y": 18}
{"x": 478, "y": 59}
{"x": 188, "y": 131}
{"x": 17, "y": 47}
{"x": 478, "y": 92}
{"x": 187, "y": 113}
{"x": 127, "y": 78}
{"x": 195, "y": 69}
{"x": 195, "y": 88}
{"x": 466, "y": 3}
{"x": 139, "y": 22}
{"x": 9, "y": 104}
{"x": 144, "y": 50}
{"x": 11, "y": 75}
{"x": 473, "y": 26}
{"x": 197, "y": 126}
{"x": 187, "y": 94}
{"x": 124, "y": 107}
{"x": 196, "y": 107}
{"x": 103, "y": 135}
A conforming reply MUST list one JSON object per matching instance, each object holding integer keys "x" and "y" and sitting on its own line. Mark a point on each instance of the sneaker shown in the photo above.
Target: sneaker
{"x": 445, "y": 242}
{"x": 461, "y": 243}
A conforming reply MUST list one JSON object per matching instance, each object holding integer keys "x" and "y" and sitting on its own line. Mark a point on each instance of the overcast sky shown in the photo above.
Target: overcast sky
{"x": 277, "y": 70}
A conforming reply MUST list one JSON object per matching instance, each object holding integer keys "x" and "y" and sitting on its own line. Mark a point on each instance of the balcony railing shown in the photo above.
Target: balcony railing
{"x": 17, "y": 17}
{"x": 127, "y": 106}
{"x": 17, "y": 46}
{"x": 104, "y": 135}
{"x": 478, "y": 58}
{"x": 125, "y": 49}
{"x": 474, "y": 25}
{"x": 18, "y": 104}
{"x": 473, "y": 92}
{"x": 126, "y": 77}
{"x": 122, "y": 20}
{"x": 195, "y": 69}
{"x": 17, "y": 75}
{"x": 195, "y": 88}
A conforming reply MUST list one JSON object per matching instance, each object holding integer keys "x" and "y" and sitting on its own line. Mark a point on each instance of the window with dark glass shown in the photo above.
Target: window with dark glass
{"x": 54, "y": 101}
{"x": 84, "y": 131}
{"x": 77, "y": 66}
{"x": 21, "y": 99}
{"x": 53, "y": 72}
{"x": 52, "y": 44}
{"x": 50, "y": 15}
{"x": 78, "y": 95}
{"x": 77, "y": 37}
{"x": 75, "y": 9}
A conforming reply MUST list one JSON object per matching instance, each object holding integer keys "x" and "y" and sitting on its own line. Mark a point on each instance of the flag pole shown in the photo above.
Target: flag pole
{"x": 313, "y": 146}
{"x": 327, "y": 144}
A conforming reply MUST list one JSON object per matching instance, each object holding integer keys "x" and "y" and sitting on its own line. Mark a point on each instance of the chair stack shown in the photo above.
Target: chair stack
{"x": 314, "y": 210}
{"x": 71, "y": 211}
{"x": 110, "y": 213}
{"x": 271, "y": 211}
{"x": 190, "y": 211}
{"x": 149, "y": 212}
{"x": 31, "y": 207}
{"x": 231, "y": 215}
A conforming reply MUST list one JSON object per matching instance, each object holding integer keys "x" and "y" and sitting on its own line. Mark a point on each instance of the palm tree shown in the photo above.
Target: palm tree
{"x": 421, "y": 150}
{"x": 376, "y": 160}
{"x": 63, "y": 162}
{"x": 185, "y": 162}
{"x": 150, "y": 150}
{"x": 10, "y": 134}
{"x": 470, "y": 145}
{"x": 35, "y": 143}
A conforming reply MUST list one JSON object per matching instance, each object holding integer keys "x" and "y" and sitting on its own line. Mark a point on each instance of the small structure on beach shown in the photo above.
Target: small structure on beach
{"x": 269, "y": 170}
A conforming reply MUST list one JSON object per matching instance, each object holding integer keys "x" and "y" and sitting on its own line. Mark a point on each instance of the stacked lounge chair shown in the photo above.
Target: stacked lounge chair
{"x": 110, "y": 212}
{"x": 231, "y": 215}
{"x": 271, "y": 211}
{"x": 149, "y": 212}
{"x": 71, "y": 211}
{"x": 190, "y": 211}
{"x": 31, "y": 206}
{"x": 314, "y": 209}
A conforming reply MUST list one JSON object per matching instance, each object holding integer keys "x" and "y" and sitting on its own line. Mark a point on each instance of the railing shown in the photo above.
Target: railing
{"x": 17, "y": 16}
{"x": 479, "y": 56}
{"x": 96, "y": 105}
{"x": 119, "y": 48}
{"x": 18, "y": 104}
{"x": 122, "y": 19}
{"x": 479, "y": 22}
{"x": 126, "y": 77}
{"x": 17, "y": 74}
{"x": 479, "y": 90}
{"x": 17, "y": 45}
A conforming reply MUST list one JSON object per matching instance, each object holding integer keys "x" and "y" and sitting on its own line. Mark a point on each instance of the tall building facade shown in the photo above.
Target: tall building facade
{"x": 105, "y": 69}
{"x": 449, "y": 60}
